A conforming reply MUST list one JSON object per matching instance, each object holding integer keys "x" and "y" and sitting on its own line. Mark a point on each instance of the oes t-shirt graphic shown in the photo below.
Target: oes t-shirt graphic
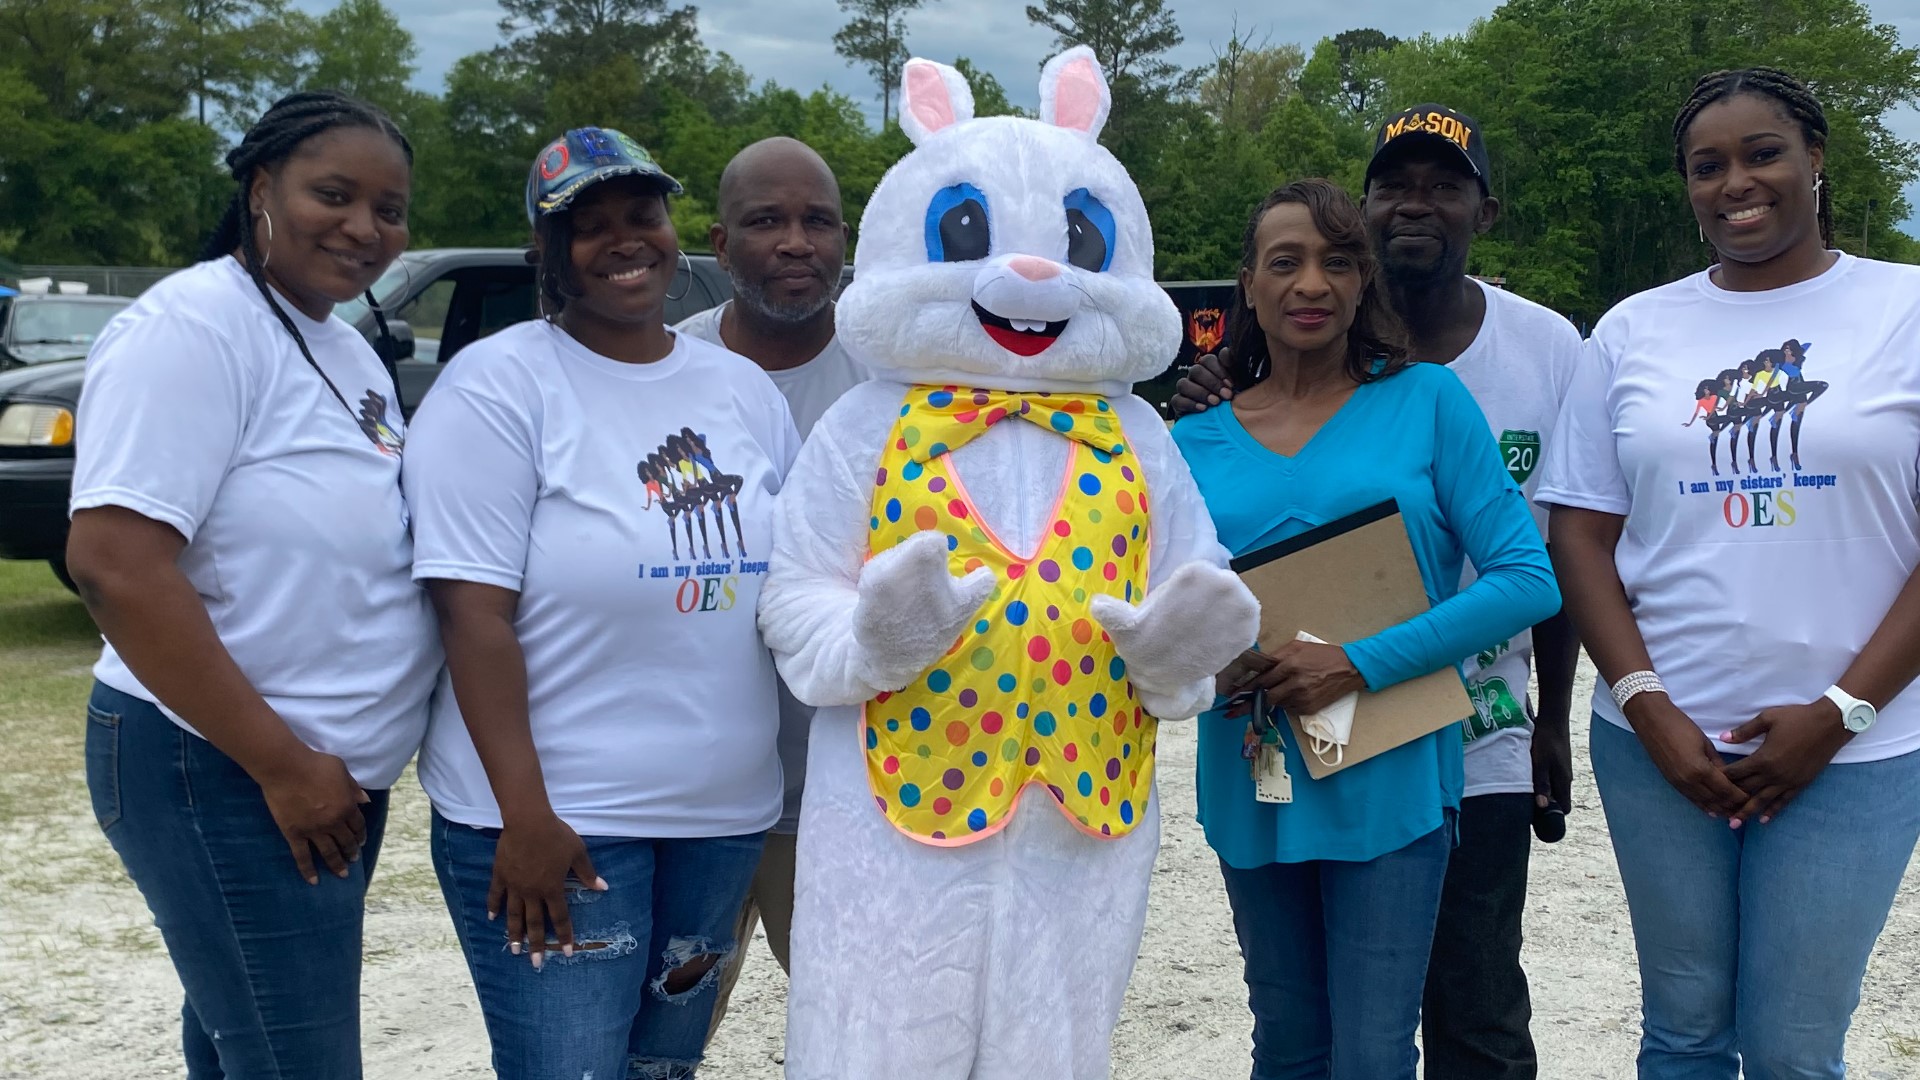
{"x": 1764, "y": 451}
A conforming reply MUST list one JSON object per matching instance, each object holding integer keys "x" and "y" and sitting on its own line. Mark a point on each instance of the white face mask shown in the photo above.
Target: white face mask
{"x": 1329, "y": 730}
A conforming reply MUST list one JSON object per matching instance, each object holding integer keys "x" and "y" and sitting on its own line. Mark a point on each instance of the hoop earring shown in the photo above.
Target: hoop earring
{"x": 688, "y": 263}
{"x": 268, "y": 257}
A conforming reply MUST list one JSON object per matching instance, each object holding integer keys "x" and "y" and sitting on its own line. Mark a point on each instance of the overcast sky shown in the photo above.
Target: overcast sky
{"x": 790, "y": 41}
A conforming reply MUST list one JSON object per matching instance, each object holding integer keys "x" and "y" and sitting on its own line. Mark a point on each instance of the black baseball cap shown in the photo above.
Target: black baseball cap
{"x": 1431, "y": 126}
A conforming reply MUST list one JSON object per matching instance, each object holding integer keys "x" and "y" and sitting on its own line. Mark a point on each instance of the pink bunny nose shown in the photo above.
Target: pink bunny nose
{"x": 1033, "y": 269}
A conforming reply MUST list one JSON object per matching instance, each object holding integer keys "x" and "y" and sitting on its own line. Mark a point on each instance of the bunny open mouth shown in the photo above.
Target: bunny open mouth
{"x": 1028, "y": 337}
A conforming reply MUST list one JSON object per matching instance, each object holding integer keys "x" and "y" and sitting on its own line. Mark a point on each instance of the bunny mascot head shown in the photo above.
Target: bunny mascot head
{"x": 1006, "y": 252}
{"x": 992, "y": 573}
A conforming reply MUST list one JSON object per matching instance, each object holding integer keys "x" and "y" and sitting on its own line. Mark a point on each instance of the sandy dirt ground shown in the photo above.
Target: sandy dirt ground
{"x": 86, "y": 990}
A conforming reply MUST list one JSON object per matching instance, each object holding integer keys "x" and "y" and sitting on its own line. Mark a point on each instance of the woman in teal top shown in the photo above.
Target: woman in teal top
{"x": 1332, "y": 420}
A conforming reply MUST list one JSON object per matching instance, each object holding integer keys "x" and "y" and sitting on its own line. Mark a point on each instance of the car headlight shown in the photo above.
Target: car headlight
{"x": 35, "y": 425}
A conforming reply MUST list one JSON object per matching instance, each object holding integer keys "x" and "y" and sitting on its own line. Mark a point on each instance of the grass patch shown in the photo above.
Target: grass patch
{"x": 36, "y": 611}
{"x": 47, "y": 649}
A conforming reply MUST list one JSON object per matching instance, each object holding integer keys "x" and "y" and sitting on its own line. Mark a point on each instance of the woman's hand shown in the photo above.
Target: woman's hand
{"x": 1240, "y": 676}
{"x": 530, "y": 865}
{"x": 316, "y": 803}
{"x": 1801, "y": 741}
{"x": 1301, "y": 677}
{"x": 1683, "y": 755}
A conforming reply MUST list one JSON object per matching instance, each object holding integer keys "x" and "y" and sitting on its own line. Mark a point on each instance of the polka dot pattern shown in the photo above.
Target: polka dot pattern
{"x": 1033, "y": 694}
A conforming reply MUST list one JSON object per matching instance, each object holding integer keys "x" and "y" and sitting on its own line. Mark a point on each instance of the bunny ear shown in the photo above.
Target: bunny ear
{"x": 1073, "y": 93}
{"x": 933, "y": 97}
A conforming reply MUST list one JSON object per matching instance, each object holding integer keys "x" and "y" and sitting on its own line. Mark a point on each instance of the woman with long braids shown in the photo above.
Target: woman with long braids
{"x": 599, "y": 806}
{"x": 240, "y": 538}
{"x": 1757, "y": 764}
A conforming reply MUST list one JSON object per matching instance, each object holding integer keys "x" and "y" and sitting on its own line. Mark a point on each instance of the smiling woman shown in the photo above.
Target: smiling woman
{"x": 1329, "y": 419}
{"x": 601, "y": 756}
{"x": 240, "y": 537}
{"x": 1759, "y": 763}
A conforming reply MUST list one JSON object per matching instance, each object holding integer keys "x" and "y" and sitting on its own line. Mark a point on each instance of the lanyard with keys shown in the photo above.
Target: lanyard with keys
{"x": 1266, "y": 760}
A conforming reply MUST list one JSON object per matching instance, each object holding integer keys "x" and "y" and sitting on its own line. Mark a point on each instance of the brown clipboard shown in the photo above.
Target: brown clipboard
{"x": 1349, "y": 579}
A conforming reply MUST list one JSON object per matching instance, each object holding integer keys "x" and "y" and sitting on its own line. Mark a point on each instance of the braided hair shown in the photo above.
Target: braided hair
{"x": 1377, "y": 333}
{"x": 553, "y": 262}
{"x": 283, "y": 129}
{"x": 1787, "y": 92}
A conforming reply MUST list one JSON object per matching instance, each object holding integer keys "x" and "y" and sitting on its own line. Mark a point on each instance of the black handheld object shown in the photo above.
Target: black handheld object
{"x": 1549, "y": 823}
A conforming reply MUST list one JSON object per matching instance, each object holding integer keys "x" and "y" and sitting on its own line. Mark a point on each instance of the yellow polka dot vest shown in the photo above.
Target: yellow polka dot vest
{"x": 1032, "y": 696}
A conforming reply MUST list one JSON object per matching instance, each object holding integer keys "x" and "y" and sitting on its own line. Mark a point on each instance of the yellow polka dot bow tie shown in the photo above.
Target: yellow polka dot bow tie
{"x": 944, "y": 418}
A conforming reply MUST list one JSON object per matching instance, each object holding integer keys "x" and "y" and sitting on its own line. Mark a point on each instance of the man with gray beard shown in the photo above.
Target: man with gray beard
{"x": 782, "y": 240}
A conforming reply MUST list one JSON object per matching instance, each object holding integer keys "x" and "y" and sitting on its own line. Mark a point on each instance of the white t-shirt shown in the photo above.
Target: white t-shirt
{"x": 1517, "y": 369}
{"x": 1758, "y": 588}
{"x": 541, "y": 467}
{"x": 810, "y": 390}
{"x": 200, "y": 413}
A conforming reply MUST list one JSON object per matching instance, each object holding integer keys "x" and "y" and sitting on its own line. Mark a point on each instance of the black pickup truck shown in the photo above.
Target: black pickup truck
{"x": 438, "y": 302}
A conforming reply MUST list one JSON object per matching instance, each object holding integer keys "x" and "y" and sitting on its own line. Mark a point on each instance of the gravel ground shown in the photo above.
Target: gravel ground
{"x": 87, "y": 991}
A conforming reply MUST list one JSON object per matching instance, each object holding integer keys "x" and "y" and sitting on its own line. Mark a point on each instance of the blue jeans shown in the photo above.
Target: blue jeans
{"x": 1753, "y": 942}
{"x": 617, "y": 1008}
{"x": 1336, "y": 960}
{"x": 270, "y": 964}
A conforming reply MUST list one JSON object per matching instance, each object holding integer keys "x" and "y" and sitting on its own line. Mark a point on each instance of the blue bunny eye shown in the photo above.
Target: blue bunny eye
{"x": 1090, "y": 237}
{"x": 957, "y": 225}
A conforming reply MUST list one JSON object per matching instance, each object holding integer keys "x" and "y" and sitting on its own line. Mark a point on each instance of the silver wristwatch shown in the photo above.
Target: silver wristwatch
{"x": 1857, "y": 715}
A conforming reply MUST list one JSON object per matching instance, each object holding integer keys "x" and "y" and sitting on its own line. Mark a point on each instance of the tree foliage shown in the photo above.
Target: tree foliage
{"x": 876, "y": 39}
{"x": 1248, "y": 82}
{"x": 105, "y": 157}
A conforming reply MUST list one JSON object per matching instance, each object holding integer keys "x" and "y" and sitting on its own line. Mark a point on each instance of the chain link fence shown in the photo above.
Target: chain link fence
{"x": 102, "y": 280}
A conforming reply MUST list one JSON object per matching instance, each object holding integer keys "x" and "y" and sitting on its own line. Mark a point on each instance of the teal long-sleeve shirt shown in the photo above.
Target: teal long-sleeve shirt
{"x": 1416, "y": 437}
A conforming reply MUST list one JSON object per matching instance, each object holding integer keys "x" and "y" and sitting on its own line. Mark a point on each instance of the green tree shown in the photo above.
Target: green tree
{"x": 989, "y": 97}
{"x": 1360, "y": 82}
{"x": 237, "y": 53}
{"x": 1248, "y": 82}
{"x": 360, "y": 47}
{"x": 876, "y": 38}
{"x": 1576, "y": 100}
{"x": 1130, "y": 40}
{"x": 560, "y": 35}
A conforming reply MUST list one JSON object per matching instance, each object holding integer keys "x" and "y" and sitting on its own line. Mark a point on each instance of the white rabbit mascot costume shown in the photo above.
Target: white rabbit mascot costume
{"x": 992, "y": 571}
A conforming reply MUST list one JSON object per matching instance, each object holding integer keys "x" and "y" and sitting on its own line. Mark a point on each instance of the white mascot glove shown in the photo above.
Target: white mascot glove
{"x": 911, "y": 610}
{"x": 1186, "y": 631}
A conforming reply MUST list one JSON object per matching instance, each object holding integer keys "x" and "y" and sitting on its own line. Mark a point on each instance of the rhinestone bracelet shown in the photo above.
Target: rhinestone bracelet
{"x": 1635, "y": 684}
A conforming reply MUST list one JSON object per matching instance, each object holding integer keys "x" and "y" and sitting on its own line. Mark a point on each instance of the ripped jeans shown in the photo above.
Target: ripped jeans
{"x": 619, "y": 1008}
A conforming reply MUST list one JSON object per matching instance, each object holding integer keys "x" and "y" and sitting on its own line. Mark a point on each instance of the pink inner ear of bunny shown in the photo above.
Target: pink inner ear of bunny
{"x": 927, "y": 97}
{"x": 1076, "y": 97}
